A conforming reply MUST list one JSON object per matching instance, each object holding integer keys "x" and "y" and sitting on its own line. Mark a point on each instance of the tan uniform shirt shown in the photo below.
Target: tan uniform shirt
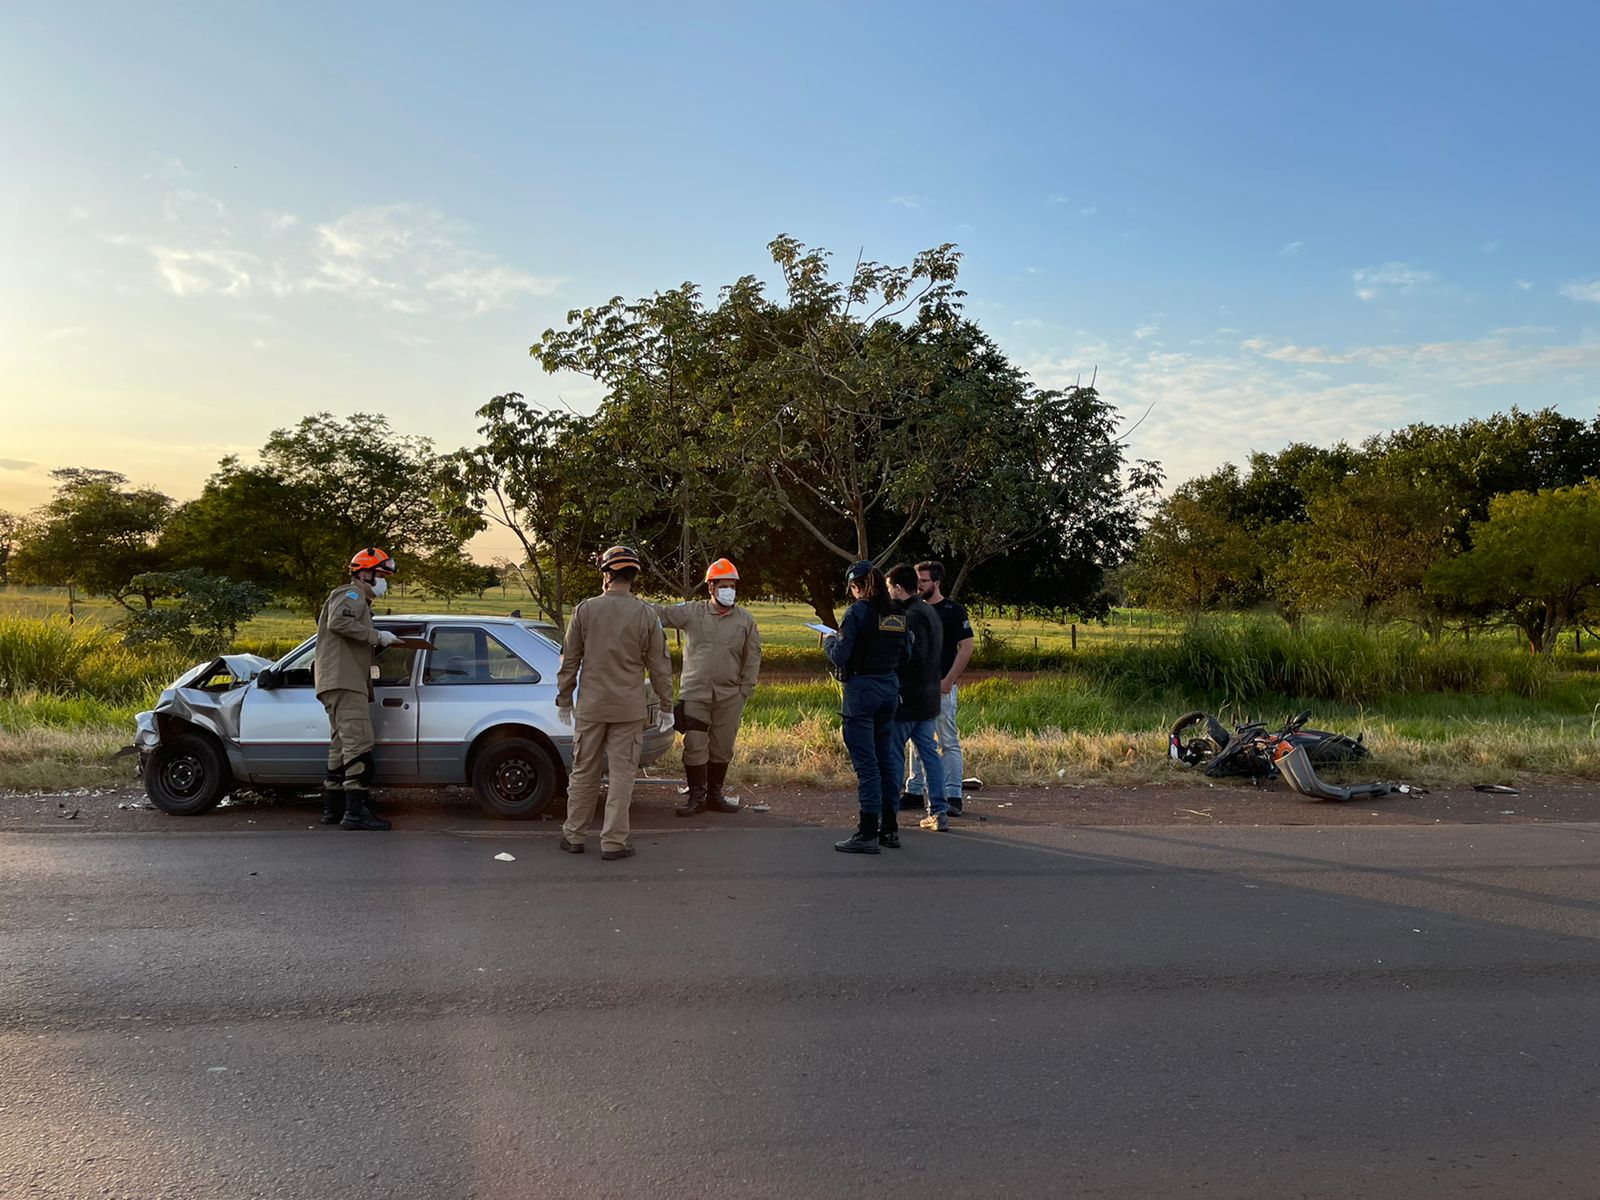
{"x": 345, "y": 640}
{"x": 615, "y": 637}
{"x": 722, "y": 653}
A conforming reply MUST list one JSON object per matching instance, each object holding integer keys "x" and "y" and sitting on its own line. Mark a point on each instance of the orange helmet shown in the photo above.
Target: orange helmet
{"x": 618, "y": 557}
{"x": 722, "y": 569}
{"x": 372, "y": 559}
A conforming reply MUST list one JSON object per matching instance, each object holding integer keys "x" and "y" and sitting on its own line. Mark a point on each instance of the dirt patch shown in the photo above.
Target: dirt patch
{"x": 126, "y": 810}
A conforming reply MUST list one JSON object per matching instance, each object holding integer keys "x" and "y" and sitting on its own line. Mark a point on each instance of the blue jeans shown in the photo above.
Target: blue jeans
{"x": 869, "y": 704}
{"x": 944, "y": 732}
{"x": 924, "y": 754}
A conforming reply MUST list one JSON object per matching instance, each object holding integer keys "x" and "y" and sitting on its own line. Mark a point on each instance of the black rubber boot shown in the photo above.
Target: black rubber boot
{"x": 889, "y": 828}
{"x": 358, "y": 814}
{"x": 332, "y": 803}
{"x": 717, "y": 774}
{"x": 864, "y": 840}
{"x": 695, "y": 802}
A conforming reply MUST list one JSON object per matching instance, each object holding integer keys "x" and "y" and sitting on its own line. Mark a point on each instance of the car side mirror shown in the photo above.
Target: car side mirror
{"x": 267, "y": 679}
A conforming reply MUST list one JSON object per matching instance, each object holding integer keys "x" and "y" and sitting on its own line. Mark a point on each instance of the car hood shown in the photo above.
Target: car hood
{"x": 209, "y": 695}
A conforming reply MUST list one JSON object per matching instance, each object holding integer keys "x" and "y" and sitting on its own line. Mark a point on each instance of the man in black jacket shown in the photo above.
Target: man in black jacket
{"x": 919, "y": 693}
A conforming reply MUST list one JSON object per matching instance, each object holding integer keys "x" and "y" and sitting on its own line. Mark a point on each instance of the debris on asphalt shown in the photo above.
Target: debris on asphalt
{"x": 763, "y": 806}
{"x": 1496, "y": 789}
{"x": 504, "y": 857}
{"x": 68, "y": 816}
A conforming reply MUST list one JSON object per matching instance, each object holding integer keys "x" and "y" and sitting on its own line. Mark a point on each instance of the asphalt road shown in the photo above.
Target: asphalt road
{"x": 1273, "y": 1012}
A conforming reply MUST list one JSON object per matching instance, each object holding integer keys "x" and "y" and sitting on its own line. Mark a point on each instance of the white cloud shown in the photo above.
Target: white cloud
{"x": 170, "y": 170}
{"x": 488, "y": 287}
{"x": 911, "y": 201}
{"x": 1290, "y": 249}
{"x": 1090, "y": 210}
{"x": 186, "y": 204}
{"x": 1145, "y": 331}
{"x": 1193, "y": 396}
{"x": 1302, "y": 392}
{"x": 1373, "y": 282}
{"x": 1523, "y": 285}
{"x": 1585, "y": 290}
{"x": 1056, "y": 198}
{"x": 1475, "y": 362}
{"x": 14, "y": 464}
{"x": 398, "y": 257}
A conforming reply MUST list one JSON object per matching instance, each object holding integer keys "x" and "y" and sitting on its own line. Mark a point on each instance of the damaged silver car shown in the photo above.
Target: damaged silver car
{"x": 477, "y": 709}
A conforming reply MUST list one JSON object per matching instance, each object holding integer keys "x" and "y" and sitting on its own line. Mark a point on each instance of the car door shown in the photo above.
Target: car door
{"x": 395, "y": 709}
{"x": 283, "y": 730}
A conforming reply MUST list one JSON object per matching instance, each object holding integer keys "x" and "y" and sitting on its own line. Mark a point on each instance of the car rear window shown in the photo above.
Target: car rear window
{"x": 465, "y": 654}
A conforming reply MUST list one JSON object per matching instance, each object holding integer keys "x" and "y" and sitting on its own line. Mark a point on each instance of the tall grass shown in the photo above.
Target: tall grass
{"x": 1238, "y": 661}
{"x": 50, "y": 657}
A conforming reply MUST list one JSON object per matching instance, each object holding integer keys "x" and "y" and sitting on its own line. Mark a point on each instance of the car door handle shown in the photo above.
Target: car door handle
{"x": 393, "y": 702}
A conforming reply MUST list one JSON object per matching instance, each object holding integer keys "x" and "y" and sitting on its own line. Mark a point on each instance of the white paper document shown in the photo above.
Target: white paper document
{"x": 819, "y": 628}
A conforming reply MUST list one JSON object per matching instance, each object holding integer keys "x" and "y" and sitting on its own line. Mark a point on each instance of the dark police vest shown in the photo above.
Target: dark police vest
{"x": 880, "y": 644}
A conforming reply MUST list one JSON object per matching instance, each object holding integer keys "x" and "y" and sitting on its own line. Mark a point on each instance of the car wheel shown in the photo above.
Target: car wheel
{"x": 514, "y": 777}
{"x": 186, "y": 776}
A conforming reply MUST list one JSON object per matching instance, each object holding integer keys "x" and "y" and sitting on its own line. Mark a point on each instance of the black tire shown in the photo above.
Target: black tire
{"x": 187, "y": 776}
{"x": 1183, "y": 722}
{"x": 515, "y": 778}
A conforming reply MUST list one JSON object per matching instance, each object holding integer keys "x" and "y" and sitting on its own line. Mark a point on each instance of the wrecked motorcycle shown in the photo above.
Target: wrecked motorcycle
{"x": 1291, "y": 753}
{"x": 1198, "y": 739}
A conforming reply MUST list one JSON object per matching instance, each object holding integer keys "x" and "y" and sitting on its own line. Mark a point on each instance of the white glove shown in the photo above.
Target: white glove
{"x": 664, "y": 721}
{"x": 564, "y": 714}
{"x": 387, "y": 639}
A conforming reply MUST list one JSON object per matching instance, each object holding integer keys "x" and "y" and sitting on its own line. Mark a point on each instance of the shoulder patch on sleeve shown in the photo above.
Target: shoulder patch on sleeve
{"x": 353, "y": 595}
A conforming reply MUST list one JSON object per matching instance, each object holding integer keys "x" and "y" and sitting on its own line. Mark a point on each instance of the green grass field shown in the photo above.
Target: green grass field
{"x": 1480, "y": 711}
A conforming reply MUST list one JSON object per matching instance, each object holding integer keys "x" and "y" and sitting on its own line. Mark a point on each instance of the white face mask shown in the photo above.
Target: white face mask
{"x": 726, "y": 596}
{"x": 380, "y": 586}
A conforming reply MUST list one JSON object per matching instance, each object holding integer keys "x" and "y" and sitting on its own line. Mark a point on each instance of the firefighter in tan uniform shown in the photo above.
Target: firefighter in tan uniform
{"x": 615, "y": 638}
{"x": 721, "y": 661}
{"x": 346, "y": 642}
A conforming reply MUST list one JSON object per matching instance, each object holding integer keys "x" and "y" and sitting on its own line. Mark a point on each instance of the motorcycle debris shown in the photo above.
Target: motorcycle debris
{"x": 1496, "y": 789}
{"x": 762, "y": 806}
{"x": 504, "y": 857}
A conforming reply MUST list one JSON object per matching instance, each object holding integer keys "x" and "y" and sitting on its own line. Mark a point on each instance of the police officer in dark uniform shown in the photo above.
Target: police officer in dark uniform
{"x": 866, "y": 653}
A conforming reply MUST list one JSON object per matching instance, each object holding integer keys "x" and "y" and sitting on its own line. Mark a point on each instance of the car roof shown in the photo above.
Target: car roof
{"x": 463, "y": 619}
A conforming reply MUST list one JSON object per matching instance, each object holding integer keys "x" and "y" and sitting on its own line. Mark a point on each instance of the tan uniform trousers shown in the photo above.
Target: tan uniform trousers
{"x": 611, "y": 746}
{"x": 701, "y": 746}
{"x": 349, "y": 729}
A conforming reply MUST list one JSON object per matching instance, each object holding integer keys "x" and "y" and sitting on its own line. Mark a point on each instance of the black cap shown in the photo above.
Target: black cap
{"x": 857, "y": 571}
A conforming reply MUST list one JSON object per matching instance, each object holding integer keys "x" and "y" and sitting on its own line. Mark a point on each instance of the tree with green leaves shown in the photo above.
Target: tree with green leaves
{"x": 1194, "y": 556}
{"x": 95, "y": 533}
{"x": 201, "y": 612}
{"x": 446, "y": 575}
{"x": 1471, "y": 463}
{"x": 1365, "y": 546}
{"x": 540, "y": 475}
{"x": 323, "y": 489}
{"x": 10, "y": 528}
{"x": 1536, "y": 559}
{"x": 845, "y": 419}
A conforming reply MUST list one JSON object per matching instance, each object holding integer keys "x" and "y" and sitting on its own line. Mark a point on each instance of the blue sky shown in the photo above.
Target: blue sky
{"x": 1268, "y": 221}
